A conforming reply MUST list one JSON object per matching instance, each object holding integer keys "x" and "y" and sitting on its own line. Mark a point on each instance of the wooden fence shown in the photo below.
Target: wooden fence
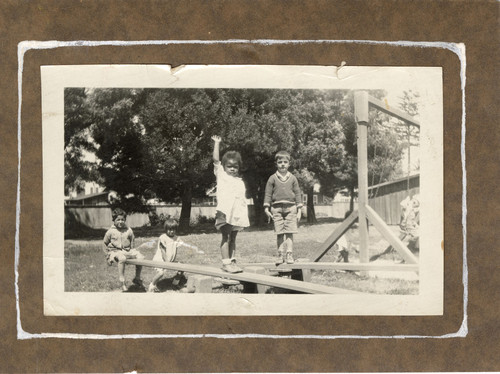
{"x": 388, "y": 206}
{"x": 385, "y": 200}
{"x": 99, "y": 217}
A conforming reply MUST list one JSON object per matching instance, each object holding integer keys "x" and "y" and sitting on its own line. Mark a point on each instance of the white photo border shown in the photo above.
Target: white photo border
{"x": 23, "y": 47}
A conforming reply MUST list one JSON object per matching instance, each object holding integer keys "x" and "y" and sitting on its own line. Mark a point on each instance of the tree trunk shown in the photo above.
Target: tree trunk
{"x": 185, "y": 217}
{"x": 258, "y": 211}
{"x": 311, "y": 214}
{"x": 351, "y": 202}
{"x": 260, "y": 218}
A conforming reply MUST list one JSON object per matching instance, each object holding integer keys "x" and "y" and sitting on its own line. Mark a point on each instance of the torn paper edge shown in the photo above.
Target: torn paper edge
{"x": 24, "y": 46}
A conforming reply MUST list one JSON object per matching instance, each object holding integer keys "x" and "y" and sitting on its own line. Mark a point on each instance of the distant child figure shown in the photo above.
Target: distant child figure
{"x": 345, "y": 244}
{"x": 409, "y": 226}
{"x": 231, "y": 212}
{"x": 119, "y": 246}
{"x": 410, "y": 222}
{"x": 166, "y": 252}
{"x": 282, "y": 204}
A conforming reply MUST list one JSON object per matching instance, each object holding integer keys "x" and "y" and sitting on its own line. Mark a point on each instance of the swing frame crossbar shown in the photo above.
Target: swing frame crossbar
{"x": 399, "y": 114}
{"x": 365, "y": 213}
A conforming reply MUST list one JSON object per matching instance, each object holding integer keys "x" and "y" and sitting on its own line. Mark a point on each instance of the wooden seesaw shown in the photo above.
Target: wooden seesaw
{"x": 245, "y": 276}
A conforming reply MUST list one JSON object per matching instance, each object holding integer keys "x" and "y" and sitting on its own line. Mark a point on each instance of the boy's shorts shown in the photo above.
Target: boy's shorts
{"x": 121, "y": 255}
{"x": 284, "y": 218}
{"x": 220, "y": 221}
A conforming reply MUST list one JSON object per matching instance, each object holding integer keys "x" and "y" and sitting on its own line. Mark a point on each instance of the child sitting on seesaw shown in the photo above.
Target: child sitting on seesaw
{"x": 231, "y": 212}
{"x": 118, "y": 244}
{"x": 166, "y": 252}
{"x": 282, "y": 197}
{"x": 408, "y": 225}
{"x": 410, "y": 222}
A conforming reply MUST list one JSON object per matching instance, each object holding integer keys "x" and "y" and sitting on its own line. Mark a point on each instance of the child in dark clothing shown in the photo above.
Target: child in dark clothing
{"x": 282, "y": 204}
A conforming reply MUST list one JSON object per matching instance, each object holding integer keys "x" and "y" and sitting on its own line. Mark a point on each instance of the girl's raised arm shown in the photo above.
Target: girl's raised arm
{"x": 217, "y": 141}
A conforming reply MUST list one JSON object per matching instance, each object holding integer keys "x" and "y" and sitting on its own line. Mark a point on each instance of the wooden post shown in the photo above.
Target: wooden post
{"x": 302, "y": 274}
{"x": 249, "y": 287}
{"x": 361, "y": 117}
{"x": 199, "y": 284}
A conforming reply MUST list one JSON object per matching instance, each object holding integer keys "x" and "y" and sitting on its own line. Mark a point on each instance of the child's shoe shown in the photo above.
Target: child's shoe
{"x": 289, "y": 258}
{"x": 153, "y": 288}
{"x": 345, "y": 255}
{"x": 124, "y": 287}
{"x": 231, "y": 268}
{"x": 236, "y": 267}
{"x": 280, "y": 258}
{"x": 110, "y": 260}
{"x": 138, "y": 282}
{"x": 177, "y": 279}
{"x": 228, "y": 268}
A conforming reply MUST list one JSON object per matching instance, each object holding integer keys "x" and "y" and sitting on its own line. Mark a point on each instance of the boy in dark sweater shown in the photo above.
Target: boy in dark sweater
{"x": 282, "y": 204}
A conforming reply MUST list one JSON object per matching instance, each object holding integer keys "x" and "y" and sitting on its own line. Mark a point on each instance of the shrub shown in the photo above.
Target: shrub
{"x": 205, "y": 219}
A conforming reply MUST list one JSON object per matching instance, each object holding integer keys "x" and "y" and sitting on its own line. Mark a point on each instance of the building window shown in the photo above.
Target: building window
{"x": 304, "y": 199}
{"x": 315, "y": 199}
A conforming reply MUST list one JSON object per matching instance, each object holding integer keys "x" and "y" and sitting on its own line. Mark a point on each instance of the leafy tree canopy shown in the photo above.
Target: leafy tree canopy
{"x": 157, "y": 142}
{"x": 77, "y": 122}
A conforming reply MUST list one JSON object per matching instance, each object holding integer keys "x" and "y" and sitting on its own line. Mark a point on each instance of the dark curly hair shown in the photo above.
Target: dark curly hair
{"x": 232, "y": 155}
{"x": 118, "y": 212}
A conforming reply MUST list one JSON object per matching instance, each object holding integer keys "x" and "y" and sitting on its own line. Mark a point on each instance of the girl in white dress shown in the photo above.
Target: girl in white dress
{"x": 231, "y": 212}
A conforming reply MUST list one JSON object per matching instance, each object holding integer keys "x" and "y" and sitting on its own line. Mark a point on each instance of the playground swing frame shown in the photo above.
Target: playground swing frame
{"x": 365, "y": 213}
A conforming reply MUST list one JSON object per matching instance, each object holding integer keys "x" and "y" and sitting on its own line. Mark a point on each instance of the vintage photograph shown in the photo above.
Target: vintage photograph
{"x": 245, "y": 190}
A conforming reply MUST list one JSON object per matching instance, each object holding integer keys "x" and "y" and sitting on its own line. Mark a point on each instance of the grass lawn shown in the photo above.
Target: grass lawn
{"x": 86, "y": 269}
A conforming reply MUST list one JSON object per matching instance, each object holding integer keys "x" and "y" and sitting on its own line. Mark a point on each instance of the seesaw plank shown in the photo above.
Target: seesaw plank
{"x": 337, "y": 266}
{"x": 267, "y": 280}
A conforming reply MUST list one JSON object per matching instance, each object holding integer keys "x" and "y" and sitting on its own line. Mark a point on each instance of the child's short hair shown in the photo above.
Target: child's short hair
{"x": 232, "y": 155}
{"x": 118, "y": 212}
{"x": 170, "y": 223}
{"x": 282, "y": 154}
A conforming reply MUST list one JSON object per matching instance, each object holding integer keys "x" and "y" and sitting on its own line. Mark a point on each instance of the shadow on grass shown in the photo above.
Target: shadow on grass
{"x": 83, "y": 233}
{"x": 136, "y": 288}
{"x": 166, "y": 284}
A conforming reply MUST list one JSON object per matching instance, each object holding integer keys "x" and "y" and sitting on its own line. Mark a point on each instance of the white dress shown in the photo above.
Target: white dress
{"x": 231, "y": 197}
{"x": 166, "y": 250}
